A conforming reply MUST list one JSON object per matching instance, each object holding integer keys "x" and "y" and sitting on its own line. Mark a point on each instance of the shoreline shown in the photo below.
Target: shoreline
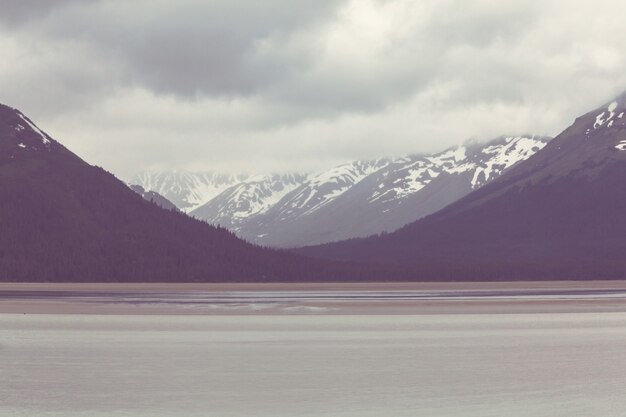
{"x": 344, "y": 298}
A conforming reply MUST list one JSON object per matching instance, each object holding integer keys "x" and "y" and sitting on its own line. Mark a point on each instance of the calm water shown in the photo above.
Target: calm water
{"x": 331, "y": 366}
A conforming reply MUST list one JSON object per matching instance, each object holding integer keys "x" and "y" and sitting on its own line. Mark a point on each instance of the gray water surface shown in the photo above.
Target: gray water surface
{"x": 332, "y": 366}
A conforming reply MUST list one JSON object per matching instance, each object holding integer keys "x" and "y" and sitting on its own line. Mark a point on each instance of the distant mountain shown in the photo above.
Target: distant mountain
{"x": 154, "y": 197}
{"x": 365, "y": 198}
{"x": 254, "y": 196}
{"x": 244, "y": 207}
{"x": 62, "y": 219}
{"x": 357, "y": 199}
{"x": 188, "y": 190}
{"x": 558, "y": 215}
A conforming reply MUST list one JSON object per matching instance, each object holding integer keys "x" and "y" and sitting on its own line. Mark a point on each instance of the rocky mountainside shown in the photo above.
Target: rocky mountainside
{"x": 557, "y": 215}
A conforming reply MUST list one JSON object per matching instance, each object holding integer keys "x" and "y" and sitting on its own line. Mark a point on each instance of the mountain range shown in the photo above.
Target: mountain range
{"x": 558, "y": 215}
{"x": 353, "y": 200}
{"x": 528, "y": 209}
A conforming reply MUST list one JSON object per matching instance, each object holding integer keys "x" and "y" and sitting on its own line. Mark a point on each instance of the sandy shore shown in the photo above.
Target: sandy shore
{"x": 49, "y": 304}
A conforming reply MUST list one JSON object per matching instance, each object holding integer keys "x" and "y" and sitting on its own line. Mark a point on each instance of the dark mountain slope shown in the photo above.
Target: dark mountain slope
{"x": 559, "y": 215}
{"x": 64, "y": 220}
{"x": 154, "y": 197}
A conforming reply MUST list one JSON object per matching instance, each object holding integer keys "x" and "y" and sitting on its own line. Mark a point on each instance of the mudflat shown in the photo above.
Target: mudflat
{"x": 324, "y": 299}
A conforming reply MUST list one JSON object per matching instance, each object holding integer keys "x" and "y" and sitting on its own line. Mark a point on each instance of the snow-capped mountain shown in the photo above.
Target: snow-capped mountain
{"x": 236, "y": 205}
{"x": 557, "y": 215}
{"x": 366, "y": 198}
{"x": 407, "y": 176}
{"x": 324, "y": 188}
{"x": 352, "y": 200}
{"x": 246, "y": 207}
{"x": 188, "y": 190}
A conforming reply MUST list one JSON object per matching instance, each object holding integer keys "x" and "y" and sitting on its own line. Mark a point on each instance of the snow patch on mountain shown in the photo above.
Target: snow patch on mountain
{"x": 621, "y": 146}
{"x": 44, "y": 138}
{"x": 607, "y": 118}
{"x": 412, "y": 174}
{"x": 323, "y": 188}
{"x": 327, "y": 186}
{"x": 260, "y": 193}
{"x": 503, "y": 156}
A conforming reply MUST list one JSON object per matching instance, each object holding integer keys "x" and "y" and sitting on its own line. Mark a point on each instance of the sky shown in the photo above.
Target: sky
{"x": 260, "y": 86}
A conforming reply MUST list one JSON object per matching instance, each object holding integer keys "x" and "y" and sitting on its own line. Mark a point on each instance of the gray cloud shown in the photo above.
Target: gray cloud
{"x": 276, "y": 84}
{"x": 18, "y": 12}
{"x": 188, "y": 48}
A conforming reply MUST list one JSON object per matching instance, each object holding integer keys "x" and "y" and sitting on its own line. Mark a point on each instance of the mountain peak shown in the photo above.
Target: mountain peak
{"x": 19, "y": 134}
{"x": 610, "y": 116}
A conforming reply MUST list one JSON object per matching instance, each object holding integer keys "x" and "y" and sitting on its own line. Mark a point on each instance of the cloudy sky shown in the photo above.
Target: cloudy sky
{"x": 277, "y": 85}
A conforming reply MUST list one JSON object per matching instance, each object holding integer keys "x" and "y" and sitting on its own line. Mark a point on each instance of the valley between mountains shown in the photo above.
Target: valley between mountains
{"x": 356, "y": 199}
{"x": 515, "y": 208}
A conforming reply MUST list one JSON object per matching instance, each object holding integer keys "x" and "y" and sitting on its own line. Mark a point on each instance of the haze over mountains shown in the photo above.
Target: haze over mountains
{"x": 558, "y": 215}
{"x": 187, "y": 190}
{"x": 352, "y": 200}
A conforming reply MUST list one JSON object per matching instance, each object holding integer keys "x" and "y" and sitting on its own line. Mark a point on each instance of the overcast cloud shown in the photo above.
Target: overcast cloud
{"x": 275, "y": 85}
